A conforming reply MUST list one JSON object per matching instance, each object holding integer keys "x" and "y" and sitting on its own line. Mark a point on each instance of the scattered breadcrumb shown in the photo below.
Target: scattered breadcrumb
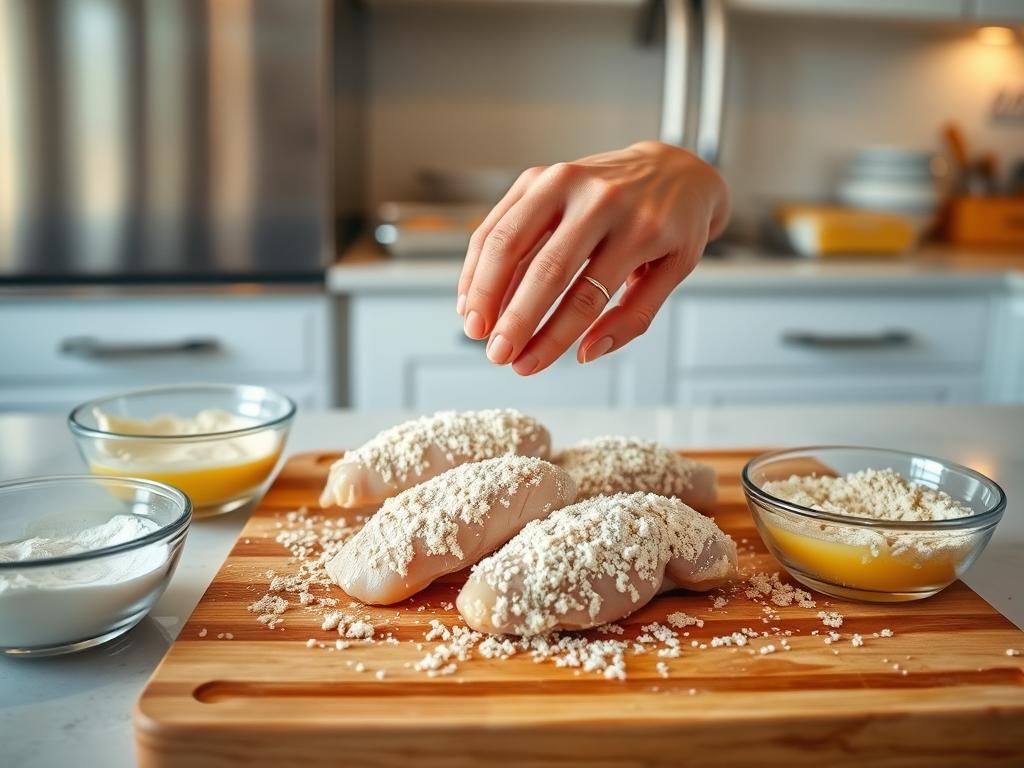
{"x": 777, "y": 591}
{"x": 359, "y": 630}
{"x": 1013, "y": 652}
{"x": 202, "y": 632}
{"x": 831, "y": 618}
{"x": 437, "y": 630}
{"x": 679, "y": 619}
{"x": 269, "y": 607}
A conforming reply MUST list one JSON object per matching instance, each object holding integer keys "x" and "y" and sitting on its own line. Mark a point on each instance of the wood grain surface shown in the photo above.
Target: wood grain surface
{"x": 263, "y": 698}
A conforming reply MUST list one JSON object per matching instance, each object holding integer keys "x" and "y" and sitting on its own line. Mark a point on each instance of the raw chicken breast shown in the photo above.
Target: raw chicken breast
{"x": 446, "y": 524}
{"x": 403, "y": 456}
{"x": 595, "y": 562}
{"x": 609, "y": 465}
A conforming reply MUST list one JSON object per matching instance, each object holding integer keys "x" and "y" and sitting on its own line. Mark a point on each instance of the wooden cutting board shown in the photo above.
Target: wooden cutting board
{"x": 263, "y": 698}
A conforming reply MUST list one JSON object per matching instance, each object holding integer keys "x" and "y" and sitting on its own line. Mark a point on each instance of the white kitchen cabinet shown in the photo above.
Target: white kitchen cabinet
{"x": 62, "y": 349}
{"x": 996, "y": 11}
{"x": 897, "y": 9}
{"x": 409, "y": 351}
{"x": 1007, "y": 381}
{"x": 755, "y": 389}
{"x": 780, "y": 348}
{"x": 740, "y": 333}
{"x": 836, "y": 334}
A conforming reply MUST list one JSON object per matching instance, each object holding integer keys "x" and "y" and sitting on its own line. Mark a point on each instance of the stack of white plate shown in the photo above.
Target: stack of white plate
{"x": 894, "y": 179}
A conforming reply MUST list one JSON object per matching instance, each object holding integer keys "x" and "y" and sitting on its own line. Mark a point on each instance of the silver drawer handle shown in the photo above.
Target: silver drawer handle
{"x": 91, "y": 348}
{"x": 883, "y": 340}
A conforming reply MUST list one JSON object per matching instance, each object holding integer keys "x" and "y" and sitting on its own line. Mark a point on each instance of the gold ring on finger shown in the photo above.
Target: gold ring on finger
{"x": 599, "y": 285}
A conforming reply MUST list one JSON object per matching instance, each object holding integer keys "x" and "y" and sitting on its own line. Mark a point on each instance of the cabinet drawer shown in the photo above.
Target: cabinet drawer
{"x": 837, "y": 334}
{"x": 781, "y": 390}
{"x": 125, "y": 341}
{"x": 410, "y": 352}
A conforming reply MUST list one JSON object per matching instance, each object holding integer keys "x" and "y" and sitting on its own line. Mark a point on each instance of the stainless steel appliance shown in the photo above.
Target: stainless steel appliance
{"x": 164, "y": 140}
{"x": 695, "y": 71}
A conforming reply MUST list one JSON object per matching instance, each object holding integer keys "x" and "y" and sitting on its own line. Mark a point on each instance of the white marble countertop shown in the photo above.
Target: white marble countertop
{"x": 76, "y": 710}
{"x": 363, "y": 269}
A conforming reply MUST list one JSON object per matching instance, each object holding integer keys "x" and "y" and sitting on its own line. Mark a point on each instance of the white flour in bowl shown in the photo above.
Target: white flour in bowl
{"x": 50, "y": 605}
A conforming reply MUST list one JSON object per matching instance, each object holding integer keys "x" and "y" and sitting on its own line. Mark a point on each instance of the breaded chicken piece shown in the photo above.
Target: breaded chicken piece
{"x": 446, "y": 524}
{"x": 417, "y": 450}
{"x": 595, "y": 562}
{"x": 608, "y": 465}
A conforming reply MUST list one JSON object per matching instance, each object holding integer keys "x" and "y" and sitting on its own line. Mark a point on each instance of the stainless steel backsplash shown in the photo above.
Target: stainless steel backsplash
{"x": 164, "y": 138}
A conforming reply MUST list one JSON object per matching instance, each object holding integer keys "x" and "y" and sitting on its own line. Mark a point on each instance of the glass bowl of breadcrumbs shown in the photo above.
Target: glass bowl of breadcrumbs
{"x": 869, "y": 523}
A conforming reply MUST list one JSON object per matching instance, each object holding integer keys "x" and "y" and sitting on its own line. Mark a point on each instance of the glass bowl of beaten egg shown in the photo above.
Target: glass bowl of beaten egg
{"x": 918, "y": 528}
{"x": 219, "y": 443}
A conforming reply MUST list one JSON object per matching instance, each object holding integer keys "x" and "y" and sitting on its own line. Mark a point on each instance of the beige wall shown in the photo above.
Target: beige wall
{"x": 803, "y": 93}
{"x": 521, "y": 85}
{"x": 506, "y": 86}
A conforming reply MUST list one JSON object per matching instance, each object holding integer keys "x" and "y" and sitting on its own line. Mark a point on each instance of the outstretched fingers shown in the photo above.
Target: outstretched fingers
{"x": 635, "y": 312}
{"x": 479, "y": 236}
{"x": 512, "y": 239}
{"x": 579, "y": 307}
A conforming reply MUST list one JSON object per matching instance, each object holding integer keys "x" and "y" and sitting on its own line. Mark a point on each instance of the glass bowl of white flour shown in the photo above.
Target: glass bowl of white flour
{"x": 83, "y": 558}
{"x": 869, "y": 523}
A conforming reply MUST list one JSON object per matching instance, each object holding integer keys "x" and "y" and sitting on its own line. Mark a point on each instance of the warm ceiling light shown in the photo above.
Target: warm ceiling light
{"x": 996, "y": 36}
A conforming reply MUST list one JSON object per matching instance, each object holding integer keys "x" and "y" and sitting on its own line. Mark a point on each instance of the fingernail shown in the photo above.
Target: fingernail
{"x": 460, "y": 305}
{"x": 474, "y": 326}
{"x": 598, "y": 348}
{"x": 525, "y": 365}
{"x": 499, "y": 350}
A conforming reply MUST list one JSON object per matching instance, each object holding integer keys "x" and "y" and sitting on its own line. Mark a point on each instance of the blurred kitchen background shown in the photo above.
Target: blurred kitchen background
{"x": 280, "y": 192}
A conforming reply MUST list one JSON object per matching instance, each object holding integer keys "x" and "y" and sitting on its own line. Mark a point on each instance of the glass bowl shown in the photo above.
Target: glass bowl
{"x": 60, "y": 598}
{"x": 865, "y": 558}
{"x": 221, "y": 457}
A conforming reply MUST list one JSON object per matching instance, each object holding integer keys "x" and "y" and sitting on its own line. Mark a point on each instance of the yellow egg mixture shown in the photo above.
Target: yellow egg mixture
{"x": 894, "y": 560}
{"x": 211, "y": 472}
{"x": 876, "y": 566}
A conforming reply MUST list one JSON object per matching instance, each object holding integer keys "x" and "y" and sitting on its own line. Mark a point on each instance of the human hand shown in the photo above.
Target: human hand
{"x": 638, "y": 217}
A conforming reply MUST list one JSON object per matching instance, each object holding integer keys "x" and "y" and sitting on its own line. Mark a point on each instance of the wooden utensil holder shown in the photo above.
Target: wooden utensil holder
{"x": 991, "y": 221}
